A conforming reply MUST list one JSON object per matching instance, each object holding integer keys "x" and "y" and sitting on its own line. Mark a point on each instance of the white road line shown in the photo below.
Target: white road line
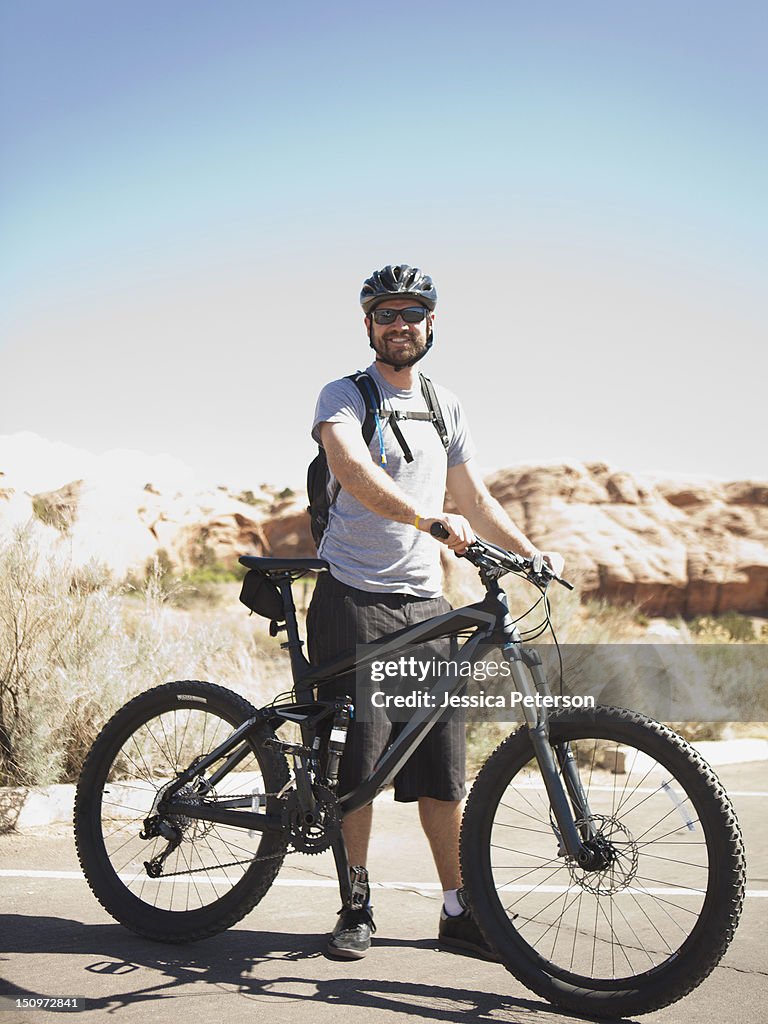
{"x": 637, "y": 789}
{"x": 331, "y": 883}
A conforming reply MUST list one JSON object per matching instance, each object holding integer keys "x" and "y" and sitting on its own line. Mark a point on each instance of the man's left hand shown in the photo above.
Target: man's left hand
{"x": 555, "y": 561}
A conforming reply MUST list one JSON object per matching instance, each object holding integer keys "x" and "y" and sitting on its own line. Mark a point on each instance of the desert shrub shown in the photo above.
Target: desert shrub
{"x": 731, "y": 627}
{"x": 482, "y": 740}
{"x": 206, "y": 585}
{"x": 74, "y": 646}
{"x": 211, "y": 585}
{"x": 249, "y": 498}
{"x": 159, "y": 568}
{"x": 73, "y": 649}
{"x": 55, "y": 625}
{"x": 216, "y": 573}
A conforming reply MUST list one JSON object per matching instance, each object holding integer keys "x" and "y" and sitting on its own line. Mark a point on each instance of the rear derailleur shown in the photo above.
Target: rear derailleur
{"x": 156, "y": 827}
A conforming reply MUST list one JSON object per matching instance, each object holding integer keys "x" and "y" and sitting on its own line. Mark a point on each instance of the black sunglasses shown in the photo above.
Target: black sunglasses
{"x": 410, "y": 315}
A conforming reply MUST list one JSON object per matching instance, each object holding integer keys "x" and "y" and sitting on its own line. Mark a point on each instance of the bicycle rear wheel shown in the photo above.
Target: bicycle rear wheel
{"x": 650, "y": 924}
{"x": 217, "y": 873}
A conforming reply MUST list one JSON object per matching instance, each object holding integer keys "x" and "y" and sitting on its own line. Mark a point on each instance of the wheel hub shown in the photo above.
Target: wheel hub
{"x": 613, "y": 858}
{"x": 194, "y": 793}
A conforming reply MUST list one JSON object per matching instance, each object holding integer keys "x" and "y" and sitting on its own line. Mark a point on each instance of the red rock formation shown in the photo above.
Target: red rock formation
{"x": 670, "y": 547}
{"x": 288, "y": 535}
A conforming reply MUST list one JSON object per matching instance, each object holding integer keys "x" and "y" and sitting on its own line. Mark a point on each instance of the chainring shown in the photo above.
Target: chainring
{"x": 318, "y": 836}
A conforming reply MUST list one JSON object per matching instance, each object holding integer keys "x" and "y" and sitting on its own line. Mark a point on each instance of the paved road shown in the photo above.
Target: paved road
{"x": 56, "y": 940}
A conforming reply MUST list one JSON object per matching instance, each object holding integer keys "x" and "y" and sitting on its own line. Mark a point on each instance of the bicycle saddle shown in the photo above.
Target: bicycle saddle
{"x": 283, "y": 564}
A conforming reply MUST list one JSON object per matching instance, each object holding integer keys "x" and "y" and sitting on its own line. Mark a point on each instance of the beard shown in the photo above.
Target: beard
{"x": 399, "y": 348}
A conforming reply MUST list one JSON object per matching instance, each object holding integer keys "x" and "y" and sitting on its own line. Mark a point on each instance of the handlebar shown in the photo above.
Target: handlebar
{"x": 480, "y": 552}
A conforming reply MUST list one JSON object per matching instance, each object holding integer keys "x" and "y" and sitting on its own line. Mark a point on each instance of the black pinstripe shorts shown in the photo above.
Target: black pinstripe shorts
{"x": 339, "y": 618}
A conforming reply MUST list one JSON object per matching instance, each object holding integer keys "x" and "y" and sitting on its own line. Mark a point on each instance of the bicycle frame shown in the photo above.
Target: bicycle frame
{"x": 491, "y": 621}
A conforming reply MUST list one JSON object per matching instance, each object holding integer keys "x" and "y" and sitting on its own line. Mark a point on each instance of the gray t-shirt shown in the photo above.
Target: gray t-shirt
{"x": 363, "y": 549}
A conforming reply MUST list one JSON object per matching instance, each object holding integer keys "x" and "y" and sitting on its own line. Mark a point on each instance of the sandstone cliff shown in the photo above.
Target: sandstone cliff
{"x": 668, "y": 545}
{"x": 672, "y": 546}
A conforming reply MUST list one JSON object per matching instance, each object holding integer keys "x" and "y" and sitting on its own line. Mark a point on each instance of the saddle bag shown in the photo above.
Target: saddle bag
{"x": 262, "y": 596}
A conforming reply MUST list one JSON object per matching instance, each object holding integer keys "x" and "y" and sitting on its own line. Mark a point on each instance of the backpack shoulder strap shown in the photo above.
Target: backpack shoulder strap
{"x": 430, "y": 397}
{"x": 369, "y": 391}
{"x": 371, "y": 395}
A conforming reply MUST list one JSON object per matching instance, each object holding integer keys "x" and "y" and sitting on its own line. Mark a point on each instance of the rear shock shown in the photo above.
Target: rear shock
{"x": 337, "y": 742}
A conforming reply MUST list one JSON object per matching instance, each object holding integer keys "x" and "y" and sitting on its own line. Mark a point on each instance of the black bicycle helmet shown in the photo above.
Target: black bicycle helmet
{"x": 401, "y": 281}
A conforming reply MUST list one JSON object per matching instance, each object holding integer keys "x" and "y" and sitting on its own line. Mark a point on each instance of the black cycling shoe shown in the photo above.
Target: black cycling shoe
{"x": 460, "y": 934}
{"x": 351, "y": 938}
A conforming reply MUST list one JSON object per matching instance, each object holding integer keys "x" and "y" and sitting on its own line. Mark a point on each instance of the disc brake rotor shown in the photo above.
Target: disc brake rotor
{"x": 617, "y": 852}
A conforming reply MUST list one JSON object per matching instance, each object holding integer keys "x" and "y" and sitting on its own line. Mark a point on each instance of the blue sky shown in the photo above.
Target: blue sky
{"x": 192, "y": 193}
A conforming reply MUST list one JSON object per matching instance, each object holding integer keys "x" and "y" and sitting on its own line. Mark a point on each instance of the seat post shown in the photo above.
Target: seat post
{"x": 294, "y": 644}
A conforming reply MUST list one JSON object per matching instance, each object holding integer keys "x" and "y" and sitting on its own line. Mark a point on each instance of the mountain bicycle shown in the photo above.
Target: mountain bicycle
{"x": 601, "y": 856}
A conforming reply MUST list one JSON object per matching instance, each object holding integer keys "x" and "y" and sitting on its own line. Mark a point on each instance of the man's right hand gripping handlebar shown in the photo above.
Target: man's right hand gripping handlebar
{"x": 539, "y": 569}
{"x": 453, "y": 530}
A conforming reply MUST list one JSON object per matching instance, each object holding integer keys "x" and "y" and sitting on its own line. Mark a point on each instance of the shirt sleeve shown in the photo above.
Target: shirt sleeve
{"x": 338, "y": 402}
{"x": 461, "y": 447}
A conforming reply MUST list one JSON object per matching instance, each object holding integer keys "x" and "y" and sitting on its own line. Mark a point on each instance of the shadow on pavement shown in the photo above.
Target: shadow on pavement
{"x": 232, "y": 961}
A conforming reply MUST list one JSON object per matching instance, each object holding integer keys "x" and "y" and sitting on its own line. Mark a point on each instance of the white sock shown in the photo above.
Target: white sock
{"x": 451, "y": 903}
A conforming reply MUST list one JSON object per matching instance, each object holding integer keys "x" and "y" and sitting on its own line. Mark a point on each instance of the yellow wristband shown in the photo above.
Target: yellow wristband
{"x": 416, "y": 521}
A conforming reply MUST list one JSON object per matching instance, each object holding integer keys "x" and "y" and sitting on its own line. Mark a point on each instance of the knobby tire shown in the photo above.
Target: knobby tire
{"x": 654, "y": 922}
{"x": 142, "y": 747}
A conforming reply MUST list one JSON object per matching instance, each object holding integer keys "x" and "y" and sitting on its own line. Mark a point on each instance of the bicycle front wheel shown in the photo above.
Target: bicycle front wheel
{"x": 214, "y": 874}
{"x": 648, "y": 923}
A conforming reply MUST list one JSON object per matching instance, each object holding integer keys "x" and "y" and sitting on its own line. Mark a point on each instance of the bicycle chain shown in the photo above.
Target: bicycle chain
{"x": 230, "y": 864}
{"x": 234, "y": 863}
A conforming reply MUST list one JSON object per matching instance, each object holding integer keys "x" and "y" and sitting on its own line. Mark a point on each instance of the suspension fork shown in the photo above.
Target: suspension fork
{"x": 568, "y": 802}
{"x": 569, "y": 768}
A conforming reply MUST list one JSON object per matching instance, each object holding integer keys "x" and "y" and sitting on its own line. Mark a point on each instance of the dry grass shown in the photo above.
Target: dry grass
{"x": 75, "y": 645}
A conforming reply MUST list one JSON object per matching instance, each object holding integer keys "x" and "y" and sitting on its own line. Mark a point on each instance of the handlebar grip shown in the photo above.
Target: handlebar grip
{"x": 439, "y": 531}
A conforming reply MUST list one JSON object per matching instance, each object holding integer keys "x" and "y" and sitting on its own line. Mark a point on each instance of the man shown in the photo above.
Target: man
{"x": 385, "y": 570}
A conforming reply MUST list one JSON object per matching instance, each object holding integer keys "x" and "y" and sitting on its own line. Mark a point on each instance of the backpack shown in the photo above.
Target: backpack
{"x": 318, "y": 473}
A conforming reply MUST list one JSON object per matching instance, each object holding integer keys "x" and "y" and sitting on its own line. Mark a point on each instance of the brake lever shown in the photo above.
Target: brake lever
{"x": 543, "y": 579}
{"x": 544, "y": 576}
{"x": 536, "y": 569}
